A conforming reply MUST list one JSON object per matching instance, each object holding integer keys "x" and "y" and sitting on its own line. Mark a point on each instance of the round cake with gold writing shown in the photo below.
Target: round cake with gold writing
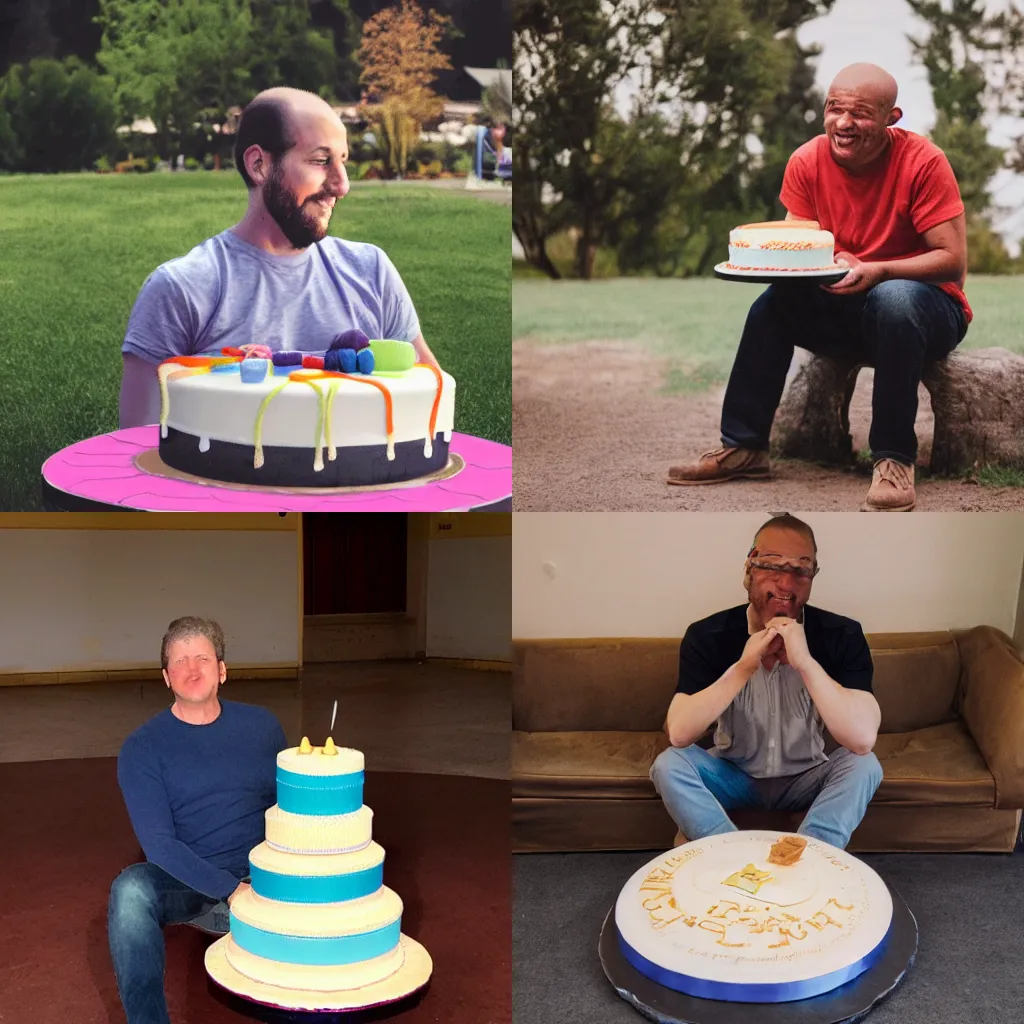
{"x": 753, "y": 917}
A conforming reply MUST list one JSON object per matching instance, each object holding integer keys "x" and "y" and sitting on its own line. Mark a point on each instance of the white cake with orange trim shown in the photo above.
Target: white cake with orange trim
{"x": 318, "y": 929}
{"x": 290, "y": 419}
{"x": 781, "y": 245}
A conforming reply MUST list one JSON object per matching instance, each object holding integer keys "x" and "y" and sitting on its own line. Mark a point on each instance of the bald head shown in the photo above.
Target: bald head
{"x": 869, "y": 82}
{"x": 859, "y": 110}
{"x": 279, "y": 119}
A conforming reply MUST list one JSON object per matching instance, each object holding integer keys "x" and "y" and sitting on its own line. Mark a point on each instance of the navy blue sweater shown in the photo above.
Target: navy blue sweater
{"x": 196, "y": 794}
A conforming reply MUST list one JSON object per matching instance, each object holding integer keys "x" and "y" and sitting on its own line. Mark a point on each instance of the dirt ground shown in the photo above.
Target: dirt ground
{"x": 591, "y": 431}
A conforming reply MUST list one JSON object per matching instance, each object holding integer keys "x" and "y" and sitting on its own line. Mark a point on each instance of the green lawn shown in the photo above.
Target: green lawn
{"x": 697, "y": 323}
{"x": 75, "y": 249}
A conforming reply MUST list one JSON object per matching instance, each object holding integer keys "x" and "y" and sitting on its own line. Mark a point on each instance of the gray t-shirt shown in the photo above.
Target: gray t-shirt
{"x": 226, "y": 292}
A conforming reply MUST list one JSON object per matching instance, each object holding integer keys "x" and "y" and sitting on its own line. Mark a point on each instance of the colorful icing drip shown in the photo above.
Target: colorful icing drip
{"x": 428, "y": 448}
{"x": 389, "y": 410}
{"x": 171, "y": 369}
{"x": 318, "y": 453}
{"x": 257, "y": 458}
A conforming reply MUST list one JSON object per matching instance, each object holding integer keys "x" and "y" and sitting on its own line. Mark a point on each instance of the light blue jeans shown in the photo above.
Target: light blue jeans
{"x": 698, "y": 789}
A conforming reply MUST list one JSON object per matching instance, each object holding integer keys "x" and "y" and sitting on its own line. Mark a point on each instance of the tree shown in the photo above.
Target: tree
{"x": 569, "y": 58}
{"x": 401, "y": 55}
{"x": 185, "y": 62}
{"x": 59, "y": 116}
{"x": 963, "y": 41}
{"x": 722, "y": 94}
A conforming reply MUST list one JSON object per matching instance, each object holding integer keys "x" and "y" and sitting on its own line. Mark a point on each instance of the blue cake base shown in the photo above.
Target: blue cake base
{"x": 843, "y": 1005}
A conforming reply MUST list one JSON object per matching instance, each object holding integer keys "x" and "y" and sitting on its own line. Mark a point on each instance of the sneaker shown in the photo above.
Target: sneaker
{"x": 892, "y": 488}
{"x": 720, "y": 465}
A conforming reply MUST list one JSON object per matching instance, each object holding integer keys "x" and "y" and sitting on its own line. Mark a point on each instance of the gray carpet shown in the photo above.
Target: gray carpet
{"x": 969, "y": 910}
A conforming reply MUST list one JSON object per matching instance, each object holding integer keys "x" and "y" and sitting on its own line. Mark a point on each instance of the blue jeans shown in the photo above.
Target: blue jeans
{"x": 143, "y": 899}
{"x": 698, "y": 789}
{"x": 895, "y": 327}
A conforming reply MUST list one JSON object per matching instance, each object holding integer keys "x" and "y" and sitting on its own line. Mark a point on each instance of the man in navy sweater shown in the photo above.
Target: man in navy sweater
{"x": 197, "y": 779}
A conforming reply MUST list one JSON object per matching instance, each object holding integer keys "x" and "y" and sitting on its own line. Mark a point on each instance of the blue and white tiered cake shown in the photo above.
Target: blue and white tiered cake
{"x": 319, "y": 930}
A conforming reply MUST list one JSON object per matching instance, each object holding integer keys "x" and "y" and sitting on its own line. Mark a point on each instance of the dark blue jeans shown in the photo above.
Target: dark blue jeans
{"x": 143, "y": 899}
{"x": 896, "y": 327}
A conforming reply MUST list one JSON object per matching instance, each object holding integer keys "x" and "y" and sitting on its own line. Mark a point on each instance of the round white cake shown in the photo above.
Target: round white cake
{"x": 302, "y": 426}
{"x": 717, "y": 919}
{"x": 782, "y": 245}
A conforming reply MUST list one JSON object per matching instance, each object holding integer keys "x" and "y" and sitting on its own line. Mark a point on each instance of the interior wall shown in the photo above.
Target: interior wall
{"x": 651, "y": 574}
{"x": 102, "y": 599}
{"x": 469, "y": 586}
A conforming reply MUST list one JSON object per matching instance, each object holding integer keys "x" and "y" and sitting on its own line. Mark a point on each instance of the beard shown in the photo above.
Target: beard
{"x": 300, "y": 228}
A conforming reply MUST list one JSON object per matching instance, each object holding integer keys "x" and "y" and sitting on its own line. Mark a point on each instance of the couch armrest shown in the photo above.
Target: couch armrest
{"x": 992, "y": 705}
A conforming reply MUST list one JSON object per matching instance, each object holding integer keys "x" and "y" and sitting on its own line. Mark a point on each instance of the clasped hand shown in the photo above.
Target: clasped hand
{"x": 783, "y": 640}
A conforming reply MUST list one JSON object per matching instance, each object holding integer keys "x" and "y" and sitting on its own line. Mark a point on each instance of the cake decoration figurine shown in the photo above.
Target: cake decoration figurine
{"x": 787, "y": 850}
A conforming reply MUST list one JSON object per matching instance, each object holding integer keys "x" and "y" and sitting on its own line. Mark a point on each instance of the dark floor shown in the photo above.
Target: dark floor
{"x": 404, "y": 715}
{"x": 66, "y": 835}
{"x": 969, "y": 910}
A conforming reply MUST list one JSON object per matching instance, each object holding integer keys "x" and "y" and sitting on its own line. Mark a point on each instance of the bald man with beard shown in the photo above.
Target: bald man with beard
{"x": 891, "y": 200}
{"x": 275, "y": 278}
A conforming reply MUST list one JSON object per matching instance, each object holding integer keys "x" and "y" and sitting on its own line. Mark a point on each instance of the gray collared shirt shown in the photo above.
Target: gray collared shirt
{"x": 772, "y": 727}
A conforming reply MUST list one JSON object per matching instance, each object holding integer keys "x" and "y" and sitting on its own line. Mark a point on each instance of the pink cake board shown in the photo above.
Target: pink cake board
{"x": 101, "y": 473}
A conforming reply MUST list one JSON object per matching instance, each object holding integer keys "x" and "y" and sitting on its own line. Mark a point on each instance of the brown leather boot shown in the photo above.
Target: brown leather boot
{"x": 720, "y": 465}
{"x": 892, "y": 488}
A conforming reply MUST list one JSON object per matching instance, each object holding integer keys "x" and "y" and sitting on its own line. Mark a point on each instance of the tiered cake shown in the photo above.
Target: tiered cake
{"x": 318, "y": 930}
{"x": 753, "y": 917}
{"x": 781, "y": 246}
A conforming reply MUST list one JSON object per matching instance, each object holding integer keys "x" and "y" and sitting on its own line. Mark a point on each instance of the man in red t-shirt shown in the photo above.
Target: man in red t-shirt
{"x": 890, "y": 199}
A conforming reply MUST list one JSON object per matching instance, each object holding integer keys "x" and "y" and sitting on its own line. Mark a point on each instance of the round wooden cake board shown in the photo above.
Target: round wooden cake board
{"x": 122, "y": 471}
{"x": 780, "y": 276}
{"x": 367, "y": 1003}
{"x": 848, "y": 1003}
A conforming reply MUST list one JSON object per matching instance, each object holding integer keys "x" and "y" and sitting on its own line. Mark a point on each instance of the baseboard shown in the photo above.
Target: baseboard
{"x": 142, "y": 673}
{"x": 477, "y": 664}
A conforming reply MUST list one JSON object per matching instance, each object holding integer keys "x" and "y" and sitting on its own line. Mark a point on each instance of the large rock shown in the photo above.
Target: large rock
{"x": 977, "y": 399}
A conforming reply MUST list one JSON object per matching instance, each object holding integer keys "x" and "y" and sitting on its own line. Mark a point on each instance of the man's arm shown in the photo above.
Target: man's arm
{"x": 689, "y": 714}
{"x": 945, "y": 261}
{"x": 139, "y": 403}
{"x": 851, "y": 716}
{"x": 423, "y": 353}
{"x": 146, "y": 800}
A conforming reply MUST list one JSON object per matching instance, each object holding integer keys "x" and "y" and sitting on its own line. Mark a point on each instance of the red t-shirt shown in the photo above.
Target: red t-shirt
{"x": 881, "y": 215}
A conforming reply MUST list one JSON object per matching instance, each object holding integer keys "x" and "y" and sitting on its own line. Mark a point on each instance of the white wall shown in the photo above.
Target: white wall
{"x": 77, "y": 600}
{"x": 469, "y": 597}
{"x": 650, "y": 574}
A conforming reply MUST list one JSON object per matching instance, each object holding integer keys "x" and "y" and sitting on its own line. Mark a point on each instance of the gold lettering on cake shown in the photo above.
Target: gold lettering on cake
{"x": 719, "y": 929}
{"x": 822, "y": 925}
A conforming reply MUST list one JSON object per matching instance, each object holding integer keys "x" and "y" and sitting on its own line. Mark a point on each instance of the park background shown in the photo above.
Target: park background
{"x": 643, "y": 133}
{"x": 117, "y": 124}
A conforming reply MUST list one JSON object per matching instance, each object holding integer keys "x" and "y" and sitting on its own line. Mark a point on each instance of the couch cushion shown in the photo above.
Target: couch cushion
{"x": 916, "y": 679}
{"x": 939, "y": 765}
{"x": 586, "y": 685}
{"x": 584, "y": 764}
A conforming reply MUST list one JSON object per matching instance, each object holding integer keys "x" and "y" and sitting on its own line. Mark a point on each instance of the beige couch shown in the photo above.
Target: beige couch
{"x": 587, "y": 720}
